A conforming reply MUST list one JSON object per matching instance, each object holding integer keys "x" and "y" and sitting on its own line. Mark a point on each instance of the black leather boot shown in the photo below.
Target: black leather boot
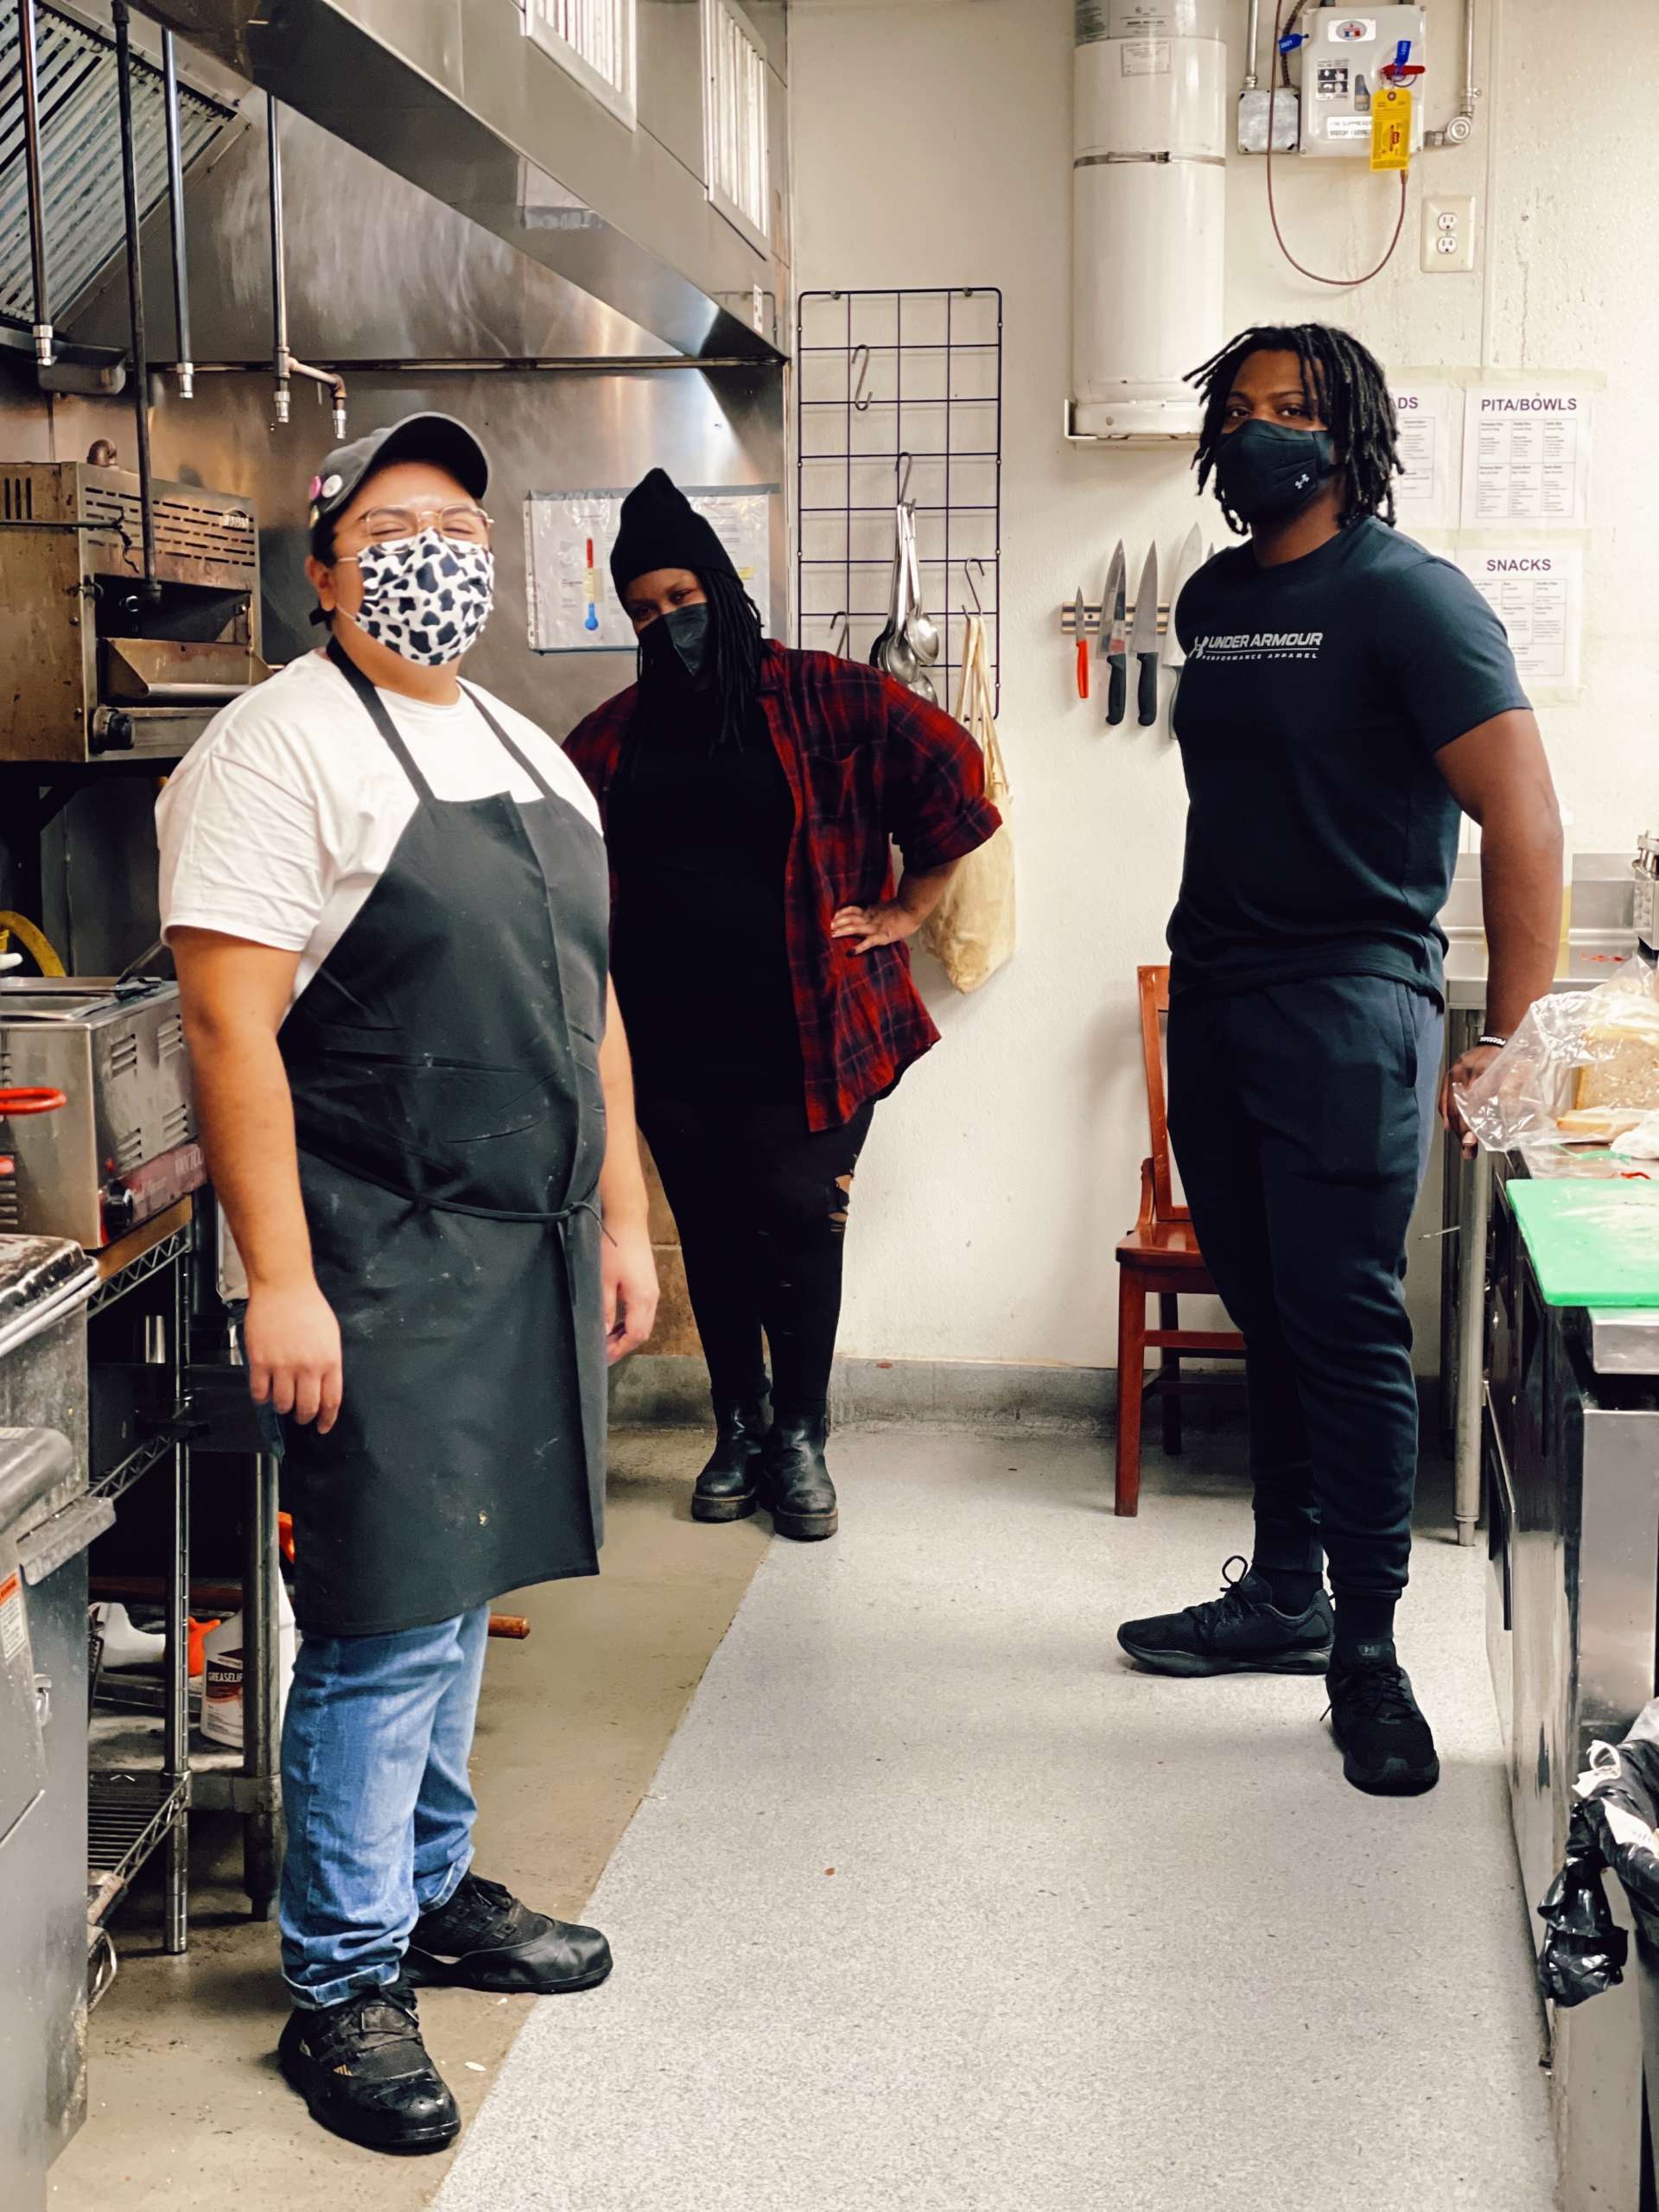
{"x": 484, "y": 1938}
{"x": 362, "y": 2070}
{"x": 795, "y": 1484}
{"x": 725, "y": 1488}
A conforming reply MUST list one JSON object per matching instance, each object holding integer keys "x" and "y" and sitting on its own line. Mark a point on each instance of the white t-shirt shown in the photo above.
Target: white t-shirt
{"x": 283, "y": 816}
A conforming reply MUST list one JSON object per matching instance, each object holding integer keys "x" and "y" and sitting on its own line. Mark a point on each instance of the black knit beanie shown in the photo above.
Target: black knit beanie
{"x": 661, "y": 528}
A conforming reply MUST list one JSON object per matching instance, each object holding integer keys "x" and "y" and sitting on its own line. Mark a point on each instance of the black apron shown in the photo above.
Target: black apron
{"x": 444, "y": 1064}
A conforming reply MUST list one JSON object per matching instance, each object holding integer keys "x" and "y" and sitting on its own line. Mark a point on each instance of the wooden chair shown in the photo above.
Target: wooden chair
{"x": 1160, "y": 1258}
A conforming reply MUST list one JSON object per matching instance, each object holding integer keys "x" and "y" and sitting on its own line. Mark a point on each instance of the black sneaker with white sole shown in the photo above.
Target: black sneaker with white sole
{"x": 1241, "y": 1632}
{"x": 1388, "y": 1748}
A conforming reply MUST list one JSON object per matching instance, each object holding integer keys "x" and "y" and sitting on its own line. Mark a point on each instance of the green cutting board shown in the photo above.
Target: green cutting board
{"x": 1593, "y": 1243}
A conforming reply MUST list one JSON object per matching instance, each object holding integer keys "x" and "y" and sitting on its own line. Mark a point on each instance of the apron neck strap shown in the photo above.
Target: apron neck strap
{"x": 508, "y": 747}
{"x": 377, "y": 714}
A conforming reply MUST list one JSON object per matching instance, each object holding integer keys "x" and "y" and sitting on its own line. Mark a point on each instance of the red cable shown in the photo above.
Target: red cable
{"x": 1337, "y": 283}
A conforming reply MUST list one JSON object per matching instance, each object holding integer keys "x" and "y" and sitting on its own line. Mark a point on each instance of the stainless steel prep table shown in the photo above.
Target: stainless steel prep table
{"x": 1601, "y": 943}
{"x": 1570, "y": 1441}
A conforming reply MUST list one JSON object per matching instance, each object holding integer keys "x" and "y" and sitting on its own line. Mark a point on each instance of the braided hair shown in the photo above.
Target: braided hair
{"x": 736, "y": 648}
{"x": 1343, "y": 383}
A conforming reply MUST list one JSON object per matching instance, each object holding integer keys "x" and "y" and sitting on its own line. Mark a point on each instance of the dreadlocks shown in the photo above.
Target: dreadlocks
{"x": 736, "y": 644}
{"x": 1343, "y": 383}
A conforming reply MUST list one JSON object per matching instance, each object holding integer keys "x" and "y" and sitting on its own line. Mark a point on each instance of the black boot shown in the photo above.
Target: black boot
{"x": 483, "y": 1938}
{"x": 795, "y": 1484}
{"x": 363, "y": 2071}
{"x": 726, "y": 1487}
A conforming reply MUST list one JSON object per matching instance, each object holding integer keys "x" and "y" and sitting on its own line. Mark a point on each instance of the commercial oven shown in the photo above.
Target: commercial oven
{"x": 93, "y": 666}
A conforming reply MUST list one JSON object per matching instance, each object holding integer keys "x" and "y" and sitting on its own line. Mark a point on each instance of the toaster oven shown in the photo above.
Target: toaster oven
{"x": 122, "y": 1146}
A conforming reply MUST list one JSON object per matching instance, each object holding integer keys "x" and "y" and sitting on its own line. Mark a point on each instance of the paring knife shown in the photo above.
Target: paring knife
{"x": 1187, "y": 568}
{"x": 1114, "y": 637}
{"x": 1145, "y": 639}
{"x": 1079, "y": 625}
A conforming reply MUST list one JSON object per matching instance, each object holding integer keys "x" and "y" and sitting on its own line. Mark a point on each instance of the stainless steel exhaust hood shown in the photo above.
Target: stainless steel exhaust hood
{"x": 453, "y": 96}
{"x": 81, "y": 152}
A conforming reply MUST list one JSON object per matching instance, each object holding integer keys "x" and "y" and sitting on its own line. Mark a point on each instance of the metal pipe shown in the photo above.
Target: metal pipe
{"x": 122, "y": 17}
{"x": 1461, "y": 127}
{"x": 1253, "y": 47}
{"x": 184, "y": 368}
{"x": 279, "y": 353}
{"x": 43, "y": 343}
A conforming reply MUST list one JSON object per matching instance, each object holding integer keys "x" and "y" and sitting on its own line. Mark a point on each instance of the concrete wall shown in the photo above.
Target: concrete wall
{"x": 932, "y": 146}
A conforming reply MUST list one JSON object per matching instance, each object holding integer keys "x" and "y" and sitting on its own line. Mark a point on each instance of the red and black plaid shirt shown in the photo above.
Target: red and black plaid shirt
{"x": 869, "y": 766}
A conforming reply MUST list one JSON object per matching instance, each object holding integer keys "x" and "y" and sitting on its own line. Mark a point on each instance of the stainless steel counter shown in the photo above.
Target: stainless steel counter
{"x": 1599, "y": 945}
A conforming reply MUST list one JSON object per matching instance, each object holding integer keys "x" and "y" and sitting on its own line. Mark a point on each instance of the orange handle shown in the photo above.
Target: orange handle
{"x": 1083, "y": 668}
{"x": 31, "y": 1102}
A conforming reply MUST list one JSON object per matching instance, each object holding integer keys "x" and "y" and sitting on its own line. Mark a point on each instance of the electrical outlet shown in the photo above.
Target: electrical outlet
{"x": 1449, "y": 235}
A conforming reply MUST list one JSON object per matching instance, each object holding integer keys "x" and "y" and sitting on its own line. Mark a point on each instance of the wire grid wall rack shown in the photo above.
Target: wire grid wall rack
{"x": 899, "y": 394}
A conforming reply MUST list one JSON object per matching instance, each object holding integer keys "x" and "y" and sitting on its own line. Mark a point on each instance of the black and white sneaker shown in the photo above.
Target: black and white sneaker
{"x": 1241, "y": 1632}
{"x": 1388, "y": 1748}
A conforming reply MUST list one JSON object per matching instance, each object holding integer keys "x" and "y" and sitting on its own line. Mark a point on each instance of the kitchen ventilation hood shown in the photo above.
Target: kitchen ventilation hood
{"x": 80, "y": 136}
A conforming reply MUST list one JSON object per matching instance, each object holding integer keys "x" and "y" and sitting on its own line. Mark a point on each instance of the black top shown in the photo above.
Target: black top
{"x": 699, "y": 838}
{"x": 1321, "y": 836}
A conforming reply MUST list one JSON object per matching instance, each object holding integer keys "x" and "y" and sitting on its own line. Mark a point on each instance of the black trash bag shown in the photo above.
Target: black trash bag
{"x": 1622, "y": 1815}
{"x": 1585, "y": 1948}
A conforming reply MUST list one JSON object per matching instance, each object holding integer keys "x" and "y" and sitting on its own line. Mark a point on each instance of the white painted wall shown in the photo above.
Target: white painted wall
{"x": 932, "y": 146}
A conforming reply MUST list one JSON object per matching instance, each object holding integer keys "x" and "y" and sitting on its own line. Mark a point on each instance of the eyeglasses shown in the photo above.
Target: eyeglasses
{"x": 465, "y": 525}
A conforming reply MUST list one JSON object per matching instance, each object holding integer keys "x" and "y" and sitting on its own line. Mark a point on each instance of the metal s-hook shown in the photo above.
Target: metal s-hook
{"x": 860, "y": 399}
{"x": 968, "y": 568}
{"x": 901, "y": 469}
{"x": 842, "y": 650}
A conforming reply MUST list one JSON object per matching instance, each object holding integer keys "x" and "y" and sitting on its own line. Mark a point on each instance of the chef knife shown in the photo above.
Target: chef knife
{"x": 1145, "y": 639}
{"x": 1187, "y": 568}
{"x": 1113, "y": 639}
{"x": 1079, "y": 621}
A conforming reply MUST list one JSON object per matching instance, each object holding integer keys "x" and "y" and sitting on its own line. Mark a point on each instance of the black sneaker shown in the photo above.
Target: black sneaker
{"x": 363, "y": 2072}
{"x": 1388, "y": 1748}
{"x": 1241, "y": 1632}
{"x": 483, "y": 1938}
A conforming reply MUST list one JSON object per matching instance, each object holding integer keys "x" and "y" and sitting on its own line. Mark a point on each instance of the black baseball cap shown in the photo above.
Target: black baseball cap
{"x": 437, "y": 438}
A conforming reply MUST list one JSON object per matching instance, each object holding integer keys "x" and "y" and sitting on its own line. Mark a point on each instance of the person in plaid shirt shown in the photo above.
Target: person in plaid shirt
{"x": 751, "y": 797}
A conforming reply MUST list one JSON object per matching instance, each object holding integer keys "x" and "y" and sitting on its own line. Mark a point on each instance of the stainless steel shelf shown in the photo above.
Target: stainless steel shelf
{"x": 152, "y": 1262}
{"x": 128, "y": 1815}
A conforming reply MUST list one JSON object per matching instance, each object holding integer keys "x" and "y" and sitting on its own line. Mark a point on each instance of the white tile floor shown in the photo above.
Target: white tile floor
{"x": 936, "y": 1903}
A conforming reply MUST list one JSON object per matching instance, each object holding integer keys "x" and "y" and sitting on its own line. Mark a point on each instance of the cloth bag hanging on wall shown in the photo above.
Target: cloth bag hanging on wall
{"x": 971, "y": 931}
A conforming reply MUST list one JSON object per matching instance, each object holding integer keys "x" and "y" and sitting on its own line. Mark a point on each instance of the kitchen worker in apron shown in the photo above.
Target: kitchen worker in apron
{"x": 753, "y": 797}
{"x": 387, "y": 896}
{"x": 1347, "y": 698}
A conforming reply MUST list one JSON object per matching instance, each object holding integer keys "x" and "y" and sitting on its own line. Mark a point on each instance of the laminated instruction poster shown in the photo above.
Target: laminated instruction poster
{"x": 567, "y": 541}
{"x": 1429, "y": 421}
{"x": 1526, "y": 457}
{"x": 1537, "y": 592}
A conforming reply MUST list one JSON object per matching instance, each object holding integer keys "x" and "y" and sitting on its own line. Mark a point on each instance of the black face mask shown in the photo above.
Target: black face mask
{"x": 675, "y": 645}
{"x": 1266, "y": 471}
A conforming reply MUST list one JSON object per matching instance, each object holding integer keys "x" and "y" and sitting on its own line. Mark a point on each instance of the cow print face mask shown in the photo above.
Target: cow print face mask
{"x": 425, "y": 597}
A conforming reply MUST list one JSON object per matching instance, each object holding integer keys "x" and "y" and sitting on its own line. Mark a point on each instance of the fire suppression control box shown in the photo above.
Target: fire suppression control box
{"x": 1344, "y": 56}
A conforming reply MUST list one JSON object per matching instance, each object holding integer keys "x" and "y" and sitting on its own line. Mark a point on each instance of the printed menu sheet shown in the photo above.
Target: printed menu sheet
{"x": 1430, "y": 418}
{"x": 1537, "y": 594}
{"x": 1526, "y": 457}
{"x": 567, "y": 541}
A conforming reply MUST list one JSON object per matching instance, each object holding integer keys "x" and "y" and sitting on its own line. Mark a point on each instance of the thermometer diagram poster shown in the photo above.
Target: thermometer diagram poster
{"x": 1526, "y": 457}
{"x": 567, "y": 541}
{"x": 1537, "y": 592}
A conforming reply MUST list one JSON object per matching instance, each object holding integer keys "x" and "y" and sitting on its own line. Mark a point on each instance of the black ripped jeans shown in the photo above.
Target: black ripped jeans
{"x": 760, "y": 1202}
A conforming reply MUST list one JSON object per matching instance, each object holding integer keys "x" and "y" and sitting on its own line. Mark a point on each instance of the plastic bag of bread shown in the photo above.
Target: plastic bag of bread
{"x": 1583, "y": 1068}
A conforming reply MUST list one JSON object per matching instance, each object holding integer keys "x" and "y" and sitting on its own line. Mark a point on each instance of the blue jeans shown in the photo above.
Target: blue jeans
{"x": 378, "y": 1806}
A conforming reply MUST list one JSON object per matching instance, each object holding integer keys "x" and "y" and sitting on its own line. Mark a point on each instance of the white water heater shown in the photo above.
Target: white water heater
{"x": 1149, "y": 190}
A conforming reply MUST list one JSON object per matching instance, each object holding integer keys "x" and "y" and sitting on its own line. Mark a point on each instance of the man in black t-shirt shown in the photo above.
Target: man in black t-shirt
{"x": 1346, "y": 696}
